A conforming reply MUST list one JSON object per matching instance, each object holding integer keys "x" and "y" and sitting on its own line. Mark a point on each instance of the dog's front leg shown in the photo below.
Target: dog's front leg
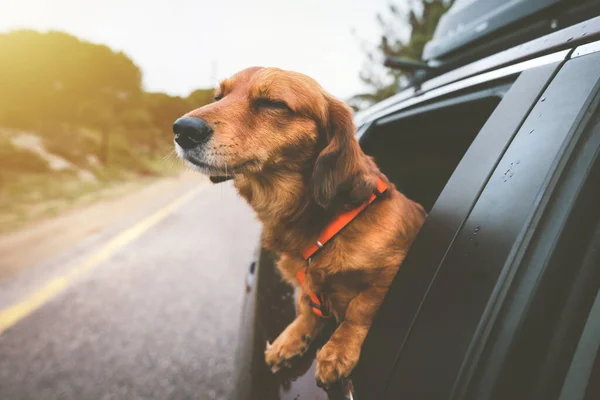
{"x": 295, "y": 339}
{"x": 338, "y": 357}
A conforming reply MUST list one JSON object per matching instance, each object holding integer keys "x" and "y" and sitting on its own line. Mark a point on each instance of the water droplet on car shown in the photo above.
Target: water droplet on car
{"x": 518, "y": 161}
{"x": 543, "y": 99}
{"x": 477, "y": 229}
{"x": 531, "y": 131}
{"x": 569, "y": 39}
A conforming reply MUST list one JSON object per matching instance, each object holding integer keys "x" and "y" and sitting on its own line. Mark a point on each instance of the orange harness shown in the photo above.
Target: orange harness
{"x": 316, "y": 300}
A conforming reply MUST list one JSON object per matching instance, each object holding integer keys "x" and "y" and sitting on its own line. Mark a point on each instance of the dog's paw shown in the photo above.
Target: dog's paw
{"x": 285, "y": 348}
{"x": 335, "y": 362}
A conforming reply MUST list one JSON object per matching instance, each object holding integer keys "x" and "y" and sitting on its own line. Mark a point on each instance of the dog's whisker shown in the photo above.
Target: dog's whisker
{"x": 168, "y": 156}
{"x": 170, "y": 159}
{"x": 223, "y": 193}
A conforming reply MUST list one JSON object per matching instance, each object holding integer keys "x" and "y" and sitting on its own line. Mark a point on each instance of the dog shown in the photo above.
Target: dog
{"x": 289, "y": 147}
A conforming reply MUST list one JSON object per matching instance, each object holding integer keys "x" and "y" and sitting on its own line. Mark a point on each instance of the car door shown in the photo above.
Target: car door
{"x": 394, "y": 319}
{"x": 454, "y": 322}
{"x": 543, "y": 304}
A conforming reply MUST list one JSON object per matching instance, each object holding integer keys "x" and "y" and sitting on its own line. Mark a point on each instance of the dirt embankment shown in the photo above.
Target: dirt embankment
{"x": 42, "y": 241}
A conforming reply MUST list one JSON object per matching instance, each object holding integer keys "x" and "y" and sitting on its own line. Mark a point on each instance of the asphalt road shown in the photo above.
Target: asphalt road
{"x": 156, "y": 320}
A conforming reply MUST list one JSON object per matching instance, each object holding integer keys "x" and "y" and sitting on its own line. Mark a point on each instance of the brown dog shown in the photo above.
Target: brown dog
{"x": 291, "y": 150}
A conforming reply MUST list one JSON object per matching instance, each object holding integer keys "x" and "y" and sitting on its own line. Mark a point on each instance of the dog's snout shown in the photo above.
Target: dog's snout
{"x": 190, "y": 132}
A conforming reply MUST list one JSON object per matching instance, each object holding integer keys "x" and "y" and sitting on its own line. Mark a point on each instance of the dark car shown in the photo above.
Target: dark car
{"x": 498, "y": 297}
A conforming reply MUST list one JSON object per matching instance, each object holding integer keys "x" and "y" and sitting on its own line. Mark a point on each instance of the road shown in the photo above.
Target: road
{"x": 145, "y": 307}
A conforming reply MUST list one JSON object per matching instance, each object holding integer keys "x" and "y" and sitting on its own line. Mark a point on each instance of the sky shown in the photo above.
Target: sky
{"x": 182, "y": 45}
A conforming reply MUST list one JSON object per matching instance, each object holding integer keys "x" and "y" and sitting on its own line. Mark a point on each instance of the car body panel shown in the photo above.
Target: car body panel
{"x": 448, "y": 317}
{"x": 578, "y": 82}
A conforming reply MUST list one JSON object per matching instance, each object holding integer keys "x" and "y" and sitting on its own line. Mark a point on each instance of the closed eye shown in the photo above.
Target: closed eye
{"x": 218, "y": 97}
{"x": 272, "y": 104}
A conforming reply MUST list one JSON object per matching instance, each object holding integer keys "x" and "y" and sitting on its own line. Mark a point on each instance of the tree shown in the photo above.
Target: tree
{"x": 405, "y": 30}
{"x": 52, "y": 78}
{"x": 163, "y": 110}
{"x": 201, "y": 97}
{"x": 56, "y": 84}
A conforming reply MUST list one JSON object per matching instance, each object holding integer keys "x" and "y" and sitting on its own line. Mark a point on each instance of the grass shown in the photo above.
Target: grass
{"x": 31, "y": 191}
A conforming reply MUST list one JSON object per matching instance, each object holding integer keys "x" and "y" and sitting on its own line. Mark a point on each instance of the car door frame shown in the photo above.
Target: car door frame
{"x": 529, "y": 278}
{"x": 435, "y": 343}
{"x": 400, "y": 307}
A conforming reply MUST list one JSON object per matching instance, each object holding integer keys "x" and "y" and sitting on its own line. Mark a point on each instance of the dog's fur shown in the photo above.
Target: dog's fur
{"x": 291, "y": 150}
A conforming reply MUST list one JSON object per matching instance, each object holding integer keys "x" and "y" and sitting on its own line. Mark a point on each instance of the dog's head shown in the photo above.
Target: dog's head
{"x": 266, "y": 118}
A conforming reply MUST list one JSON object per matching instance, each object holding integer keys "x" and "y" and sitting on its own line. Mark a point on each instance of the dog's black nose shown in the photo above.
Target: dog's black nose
{"x": 190, "y": 132}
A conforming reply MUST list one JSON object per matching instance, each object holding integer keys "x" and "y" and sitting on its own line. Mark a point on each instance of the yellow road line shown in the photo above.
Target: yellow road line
{"x": 12, "y": 314}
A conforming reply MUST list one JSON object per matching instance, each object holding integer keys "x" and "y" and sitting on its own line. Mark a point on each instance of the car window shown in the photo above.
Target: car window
{"x": 419, "y": 149}
{"x": 449, "y": 187}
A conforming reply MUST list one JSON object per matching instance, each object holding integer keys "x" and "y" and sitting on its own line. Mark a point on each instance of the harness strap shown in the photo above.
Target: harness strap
{"x": 316, "y": 300}
{"x": 341, "y": 221}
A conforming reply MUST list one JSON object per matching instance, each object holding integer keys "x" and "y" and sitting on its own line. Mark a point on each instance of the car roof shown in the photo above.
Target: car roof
{"x": 469, "y": 20}
{"x": 547, "y": 45}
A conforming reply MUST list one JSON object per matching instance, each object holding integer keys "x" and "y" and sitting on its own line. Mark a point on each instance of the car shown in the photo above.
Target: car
{"x": 498, "y": 298}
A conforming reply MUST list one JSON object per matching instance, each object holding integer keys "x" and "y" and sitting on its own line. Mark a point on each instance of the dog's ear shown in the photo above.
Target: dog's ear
{"x": 343, "y": 174}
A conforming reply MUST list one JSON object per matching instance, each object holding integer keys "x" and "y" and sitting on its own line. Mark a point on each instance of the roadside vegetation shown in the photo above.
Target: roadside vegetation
{"x": 406, "y": 26}
{"x": 74, "y": 120}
